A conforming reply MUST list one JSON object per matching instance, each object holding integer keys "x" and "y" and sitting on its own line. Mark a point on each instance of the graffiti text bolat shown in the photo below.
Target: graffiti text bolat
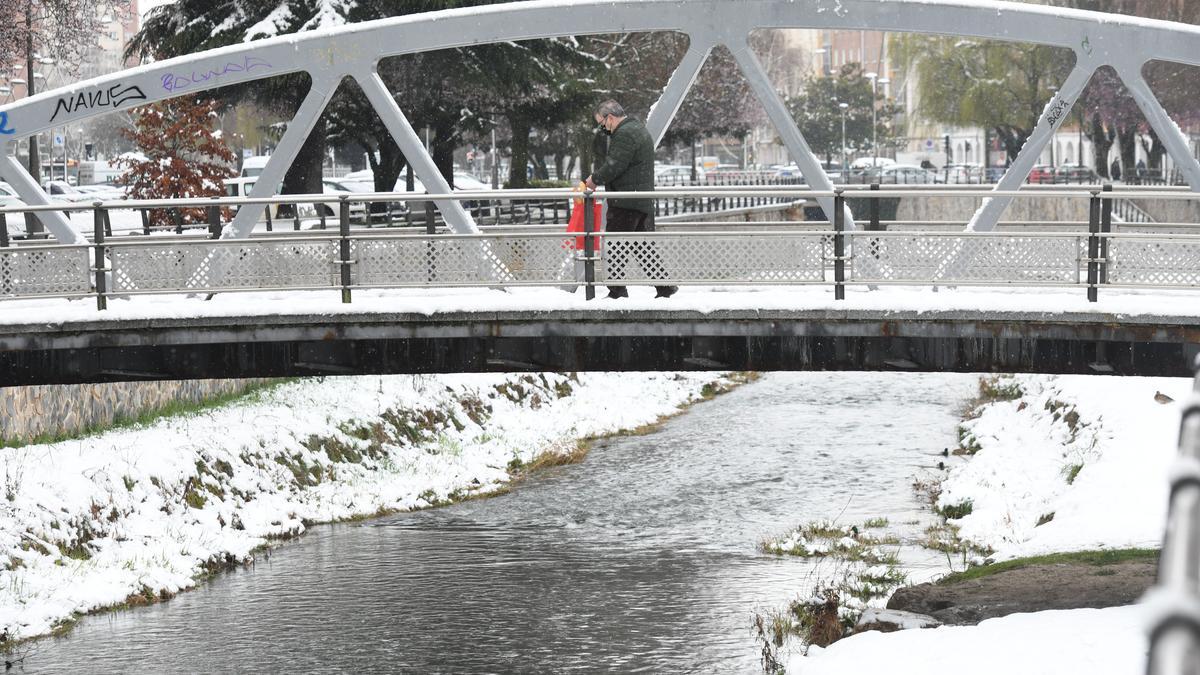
{"x": 180, "y": 81}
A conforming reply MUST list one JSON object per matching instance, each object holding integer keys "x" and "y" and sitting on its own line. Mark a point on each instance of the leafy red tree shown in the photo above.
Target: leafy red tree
{"x": 185, "y": 156}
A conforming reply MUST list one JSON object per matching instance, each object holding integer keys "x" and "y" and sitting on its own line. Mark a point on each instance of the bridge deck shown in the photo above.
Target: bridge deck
{"x": 285, "y": 334}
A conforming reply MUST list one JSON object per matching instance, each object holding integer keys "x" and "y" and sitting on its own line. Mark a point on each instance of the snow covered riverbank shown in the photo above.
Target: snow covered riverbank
{"x": 133, "y": 515}
{"x": 1060, "y": 464}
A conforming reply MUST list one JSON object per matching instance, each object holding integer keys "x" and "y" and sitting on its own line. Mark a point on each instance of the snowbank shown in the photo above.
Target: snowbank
{"x": 1087, "y": 457}
{"x": 1069, "y": 463}
{"x": 132, "y": 515}
{"x": 1093, "y": 641}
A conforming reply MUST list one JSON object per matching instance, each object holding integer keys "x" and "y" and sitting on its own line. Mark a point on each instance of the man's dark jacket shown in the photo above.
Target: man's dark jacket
{"x": 629, "y": 166}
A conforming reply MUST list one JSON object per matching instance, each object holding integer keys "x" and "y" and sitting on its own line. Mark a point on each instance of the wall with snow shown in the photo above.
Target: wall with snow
{"x": 65, "y": 409}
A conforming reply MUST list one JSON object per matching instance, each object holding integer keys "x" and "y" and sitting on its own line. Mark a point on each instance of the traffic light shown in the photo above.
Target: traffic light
{"x": 947, "y": 142}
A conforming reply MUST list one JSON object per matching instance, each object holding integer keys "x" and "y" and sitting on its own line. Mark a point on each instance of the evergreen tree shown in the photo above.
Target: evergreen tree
{"x": 817, "y": 111}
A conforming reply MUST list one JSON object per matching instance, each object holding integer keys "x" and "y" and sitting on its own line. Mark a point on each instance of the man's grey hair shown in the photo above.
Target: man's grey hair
{"x": 610, "y": 107}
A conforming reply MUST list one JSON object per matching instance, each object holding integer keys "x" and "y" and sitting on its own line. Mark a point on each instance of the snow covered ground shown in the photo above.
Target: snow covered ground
{"x": 1091, "y": 452}
{"x": 133, "y": 514}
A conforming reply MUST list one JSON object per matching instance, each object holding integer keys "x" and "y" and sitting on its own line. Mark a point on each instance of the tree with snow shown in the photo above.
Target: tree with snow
{"x": 1003, "y": 86}
{"x": 61, "y": 30}
{"x": 184, "y": 156}
{"x": 817, "y": 110}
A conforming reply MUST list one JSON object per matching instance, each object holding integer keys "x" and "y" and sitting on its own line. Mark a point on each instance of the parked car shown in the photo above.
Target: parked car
{"x": 241, "y": 187}
{"x": 906, "y": 174}
{"x": 1075, "y": 173}
{"x": 103, "y": 192}
{"x": 963, "y": 173}
{"x": 676, "y": 174}
{"x": 62, "y": 191}
{"x": 1042, "y": 173}
{"x": 9, "y": 199}
{"x": 871, "y": 163}
{"x": 253, "y": 166}
{"x": 832, "y": 169}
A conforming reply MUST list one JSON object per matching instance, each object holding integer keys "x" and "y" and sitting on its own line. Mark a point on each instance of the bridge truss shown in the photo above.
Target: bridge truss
{"x": 354, "y": 51}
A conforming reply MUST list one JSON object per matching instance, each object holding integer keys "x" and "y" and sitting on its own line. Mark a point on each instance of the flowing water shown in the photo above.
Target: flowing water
{"x": 643, "y": 558}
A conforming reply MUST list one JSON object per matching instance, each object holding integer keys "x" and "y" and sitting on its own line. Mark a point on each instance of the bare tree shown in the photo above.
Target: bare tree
{"x": 63, "y": 30}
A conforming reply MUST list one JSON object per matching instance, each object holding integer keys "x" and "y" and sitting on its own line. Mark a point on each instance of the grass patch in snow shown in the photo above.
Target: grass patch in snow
{"x": 148, "y": 417}
{"x": 1071, "y": 472}
{"x": 1095, "y": 558}
{"x": 823, "y": 539}
{"x": 945, "y": 538}
{"x": 956, "y": 511}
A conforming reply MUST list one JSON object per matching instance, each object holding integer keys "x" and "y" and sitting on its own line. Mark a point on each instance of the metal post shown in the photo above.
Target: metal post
{"x": 1106, "y": 214}
{"x": 98, "y": 268}
{"x": 145, "y": 222}
{"x": 430, "y": 228}
{"x": 269, "y": 227}
{"x": 1175, "y": 639}
{"x": 3, "y": 230}
{"x": 839, "y": 245}
{"x": 177, "y": 215}
{"x": 214, "y": 221}
{"x": 1093, "y": 274}
{"x": 296, "y": 217}
{"x": 874, "y": 226}
{"x": 344, "y": 245}
{"x": 589, "y": 247}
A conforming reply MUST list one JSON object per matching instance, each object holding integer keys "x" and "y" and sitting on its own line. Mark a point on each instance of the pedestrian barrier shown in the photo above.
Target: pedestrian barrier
{"x": 720, "y": 254}
{"x": 1175, "y": 632}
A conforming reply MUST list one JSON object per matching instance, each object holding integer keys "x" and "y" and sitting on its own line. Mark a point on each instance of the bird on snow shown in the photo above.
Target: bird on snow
{"x": 1162, "y": 398}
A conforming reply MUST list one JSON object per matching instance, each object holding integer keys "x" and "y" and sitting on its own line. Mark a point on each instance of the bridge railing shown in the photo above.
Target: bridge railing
{"x": 723, "y": 254}
{"x": 1175, "y": 631}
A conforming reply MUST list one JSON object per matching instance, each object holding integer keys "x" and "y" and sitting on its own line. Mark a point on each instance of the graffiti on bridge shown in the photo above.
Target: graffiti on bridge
{"x": 4, "y": 128}
{"x": 113, "y": 97}
{"x": 178, "y": 81}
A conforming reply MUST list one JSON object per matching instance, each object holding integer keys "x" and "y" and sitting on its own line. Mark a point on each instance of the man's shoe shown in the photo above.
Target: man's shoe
{"x": 666, "y": 291}
{"x": 617, "y": 293}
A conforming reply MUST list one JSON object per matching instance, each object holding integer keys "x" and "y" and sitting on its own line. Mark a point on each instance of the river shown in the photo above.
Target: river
{"x": 642, "y": 558}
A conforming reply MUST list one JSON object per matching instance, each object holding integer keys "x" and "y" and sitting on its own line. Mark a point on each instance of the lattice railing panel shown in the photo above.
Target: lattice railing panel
{"x": 743, "y": 258}
{"x": 1154, "y": 262}
{"x": 1003, "y": 259}
{"x": 44, "y": 272}
{"x": 257, "y": 264}
{"x": 463, "y": 260}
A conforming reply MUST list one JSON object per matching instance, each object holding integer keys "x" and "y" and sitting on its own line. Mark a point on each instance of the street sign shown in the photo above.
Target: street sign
{"x": 58, "y": 140}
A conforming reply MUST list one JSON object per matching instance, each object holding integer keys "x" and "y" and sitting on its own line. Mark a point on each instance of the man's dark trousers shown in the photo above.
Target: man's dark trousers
{"x": 617, "y": 250}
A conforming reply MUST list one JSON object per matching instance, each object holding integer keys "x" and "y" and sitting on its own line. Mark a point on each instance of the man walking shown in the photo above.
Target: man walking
{"x": 628, "y": 167}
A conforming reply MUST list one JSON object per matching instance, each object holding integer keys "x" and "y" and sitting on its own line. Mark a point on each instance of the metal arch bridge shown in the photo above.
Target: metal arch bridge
{"x": 1124, "y": 43}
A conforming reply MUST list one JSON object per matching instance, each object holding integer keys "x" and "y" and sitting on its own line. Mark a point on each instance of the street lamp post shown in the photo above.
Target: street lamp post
{"x": 874, "y": 77}
{"x": 843, "y": 107}
{"x": 875, "y": 82}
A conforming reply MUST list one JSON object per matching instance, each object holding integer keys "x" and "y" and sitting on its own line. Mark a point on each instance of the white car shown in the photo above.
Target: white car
{"x": 906, "y": 174}
{"x": 62, "y": 191}
{"x": 241, "y": 187}
{"x": 102, "y": 192}
{"x": 676, "y": 174}
{"x": 871, "y": 163}
{"x": 9, "y": 199}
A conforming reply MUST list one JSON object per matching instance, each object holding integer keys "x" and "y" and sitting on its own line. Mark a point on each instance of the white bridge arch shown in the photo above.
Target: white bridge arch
{"x": 1124, "y": 43}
